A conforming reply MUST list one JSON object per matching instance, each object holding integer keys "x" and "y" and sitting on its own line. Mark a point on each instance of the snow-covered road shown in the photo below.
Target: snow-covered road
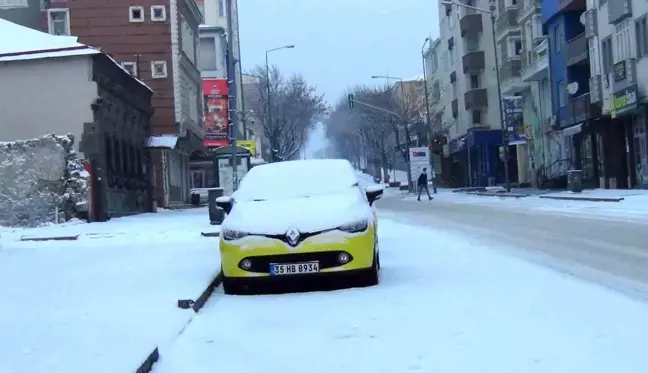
{"x": 445, "y": 304}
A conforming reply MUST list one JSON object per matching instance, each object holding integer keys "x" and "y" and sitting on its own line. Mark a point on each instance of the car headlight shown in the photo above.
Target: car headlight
{"x": 355, "y": 227}
{"x": 231, "y": 235}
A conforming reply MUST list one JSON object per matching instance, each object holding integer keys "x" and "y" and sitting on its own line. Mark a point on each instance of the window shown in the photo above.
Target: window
{"x": 208, "y": 58}
{"x": 624, "y": 46}
{"x": 453, "y": 55}
{"x": 606, "y": 52}
{"x": 158, "y": 69}
{"x": 476, "y": 116}
{"x": 595, "y": 65}
{"x": 136, "y": 14}
{"x": 514, "y": 47}
{"x": 58, "y": 21}
{"x": 562, "y": 89}
{"x": 641, "y": 35}
{"x": 559, "y": 37}
{"x": 188, "y": 40}
{"x": 474, "y": 81}
{"x": 9, "y": 4}
{"x": 158, "y": 13}
{"x": 197, "y": 179}
{"x": 131, "y": 67}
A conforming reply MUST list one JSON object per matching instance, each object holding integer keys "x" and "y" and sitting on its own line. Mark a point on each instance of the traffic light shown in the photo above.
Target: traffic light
{"x": 351, "y": 104}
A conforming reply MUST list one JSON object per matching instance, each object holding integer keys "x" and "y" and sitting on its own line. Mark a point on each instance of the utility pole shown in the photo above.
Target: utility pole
{"x": 232, "y": 98}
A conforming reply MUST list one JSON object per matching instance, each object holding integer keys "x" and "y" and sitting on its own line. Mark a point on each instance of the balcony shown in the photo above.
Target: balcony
{"x": 528, "y": 8}
{"x": 578, "y": 110}
{"x": 577, "y": 51}
{"x": 621, "y": 10}
{"x": 471, "y": 23}
{"x": 476, "y": 98}
{"x": 455, "y": 108}
{"x": 538, "y": 64}
{"x": 506, "y": 23}
{"x": 510, "y": 77}
{"x": 473, "y": 61}
{"x": 570, "y": 5}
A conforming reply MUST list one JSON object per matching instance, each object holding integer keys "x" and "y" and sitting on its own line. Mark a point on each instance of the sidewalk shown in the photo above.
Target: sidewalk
{"x": 105, "y": 301}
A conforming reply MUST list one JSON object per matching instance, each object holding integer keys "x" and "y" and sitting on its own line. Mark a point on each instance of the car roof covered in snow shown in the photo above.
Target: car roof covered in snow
{"x": 297, "y": 179}
{"x": 29, "y": 44}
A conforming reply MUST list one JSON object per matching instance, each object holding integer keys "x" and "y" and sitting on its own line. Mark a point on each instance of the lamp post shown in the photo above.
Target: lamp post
{"x": 425, "y": 87}
{"x": 268, "y": 81}
{"x": 402, "y": 86}
{"x": 504, "y": 127}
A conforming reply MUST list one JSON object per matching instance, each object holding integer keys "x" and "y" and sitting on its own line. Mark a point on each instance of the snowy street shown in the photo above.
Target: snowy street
{"x": 447, "y": 302}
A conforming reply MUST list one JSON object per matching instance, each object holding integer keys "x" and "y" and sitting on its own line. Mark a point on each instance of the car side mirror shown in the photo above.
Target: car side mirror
{"x": 225, "y": 203}
{"x": 374, "y": 192}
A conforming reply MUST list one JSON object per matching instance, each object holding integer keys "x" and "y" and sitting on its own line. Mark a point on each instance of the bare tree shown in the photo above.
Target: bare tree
{"x": 295, "y": 107}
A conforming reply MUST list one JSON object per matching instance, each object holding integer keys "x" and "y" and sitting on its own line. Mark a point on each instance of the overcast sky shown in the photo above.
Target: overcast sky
{"x": 338, "y": 43}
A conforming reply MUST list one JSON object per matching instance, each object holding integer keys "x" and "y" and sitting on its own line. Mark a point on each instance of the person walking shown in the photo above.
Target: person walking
{"x": 422, "y": 183}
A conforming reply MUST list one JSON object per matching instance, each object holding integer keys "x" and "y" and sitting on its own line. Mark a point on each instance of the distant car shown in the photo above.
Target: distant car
{"x": 295, "y": 219}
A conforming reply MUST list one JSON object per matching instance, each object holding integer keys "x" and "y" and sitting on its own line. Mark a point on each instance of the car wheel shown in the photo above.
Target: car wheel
{"x": 370, "y": 277}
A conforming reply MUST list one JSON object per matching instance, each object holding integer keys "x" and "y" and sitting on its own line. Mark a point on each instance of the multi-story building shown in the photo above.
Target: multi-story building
{"x": 572, "y": 142}
{"x": 536, "y": 95}
{"x": 157, "y": 41}
{"x": 617, "y": 33}
{"x": 438, "y": 130}
{"x": 470, "y": 95}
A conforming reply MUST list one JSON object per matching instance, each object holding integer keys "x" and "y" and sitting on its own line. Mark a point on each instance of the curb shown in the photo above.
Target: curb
{"x": 154, "y": 356}
{"x": 586, "y": 199}
{"x": 491, "y": 194}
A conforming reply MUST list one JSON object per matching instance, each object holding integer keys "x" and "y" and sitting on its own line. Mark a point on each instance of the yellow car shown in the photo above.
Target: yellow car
{"x": 299, "y": 219}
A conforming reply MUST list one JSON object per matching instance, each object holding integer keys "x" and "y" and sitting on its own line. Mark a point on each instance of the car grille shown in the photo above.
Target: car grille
{"x": 302, "y": 236}
{"x": 326, "y": 259}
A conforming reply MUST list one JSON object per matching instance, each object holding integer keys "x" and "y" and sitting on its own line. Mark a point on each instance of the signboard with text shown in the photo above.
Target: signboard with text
{"x": 624, "y": 101}
{"x": 216, "y": 114}
{"x": 513, "y": 108}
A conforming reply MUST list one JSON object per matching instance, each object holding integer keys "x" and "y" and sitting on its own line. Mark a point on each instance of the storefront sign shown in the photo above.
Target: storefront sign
{"x": 619, "y": 71}
{"x": 250, "y": 145}
{"x": 216, "y": 114}
{"x": 624, "y": 101}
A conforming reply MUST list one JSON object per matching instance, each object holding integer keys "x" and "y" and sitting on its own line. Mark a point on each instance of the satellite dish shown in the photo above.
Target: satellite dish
{"x": 572, "y": 88}
{"x": 582, "y": 18}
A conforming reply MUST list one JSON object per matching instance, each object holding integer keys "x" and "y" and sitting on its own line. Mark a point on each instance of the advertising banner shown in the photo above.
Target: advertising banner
{"x": 216, "y": 114}
{"x": 513, "y": 107}
{"x": 624, "y": 101}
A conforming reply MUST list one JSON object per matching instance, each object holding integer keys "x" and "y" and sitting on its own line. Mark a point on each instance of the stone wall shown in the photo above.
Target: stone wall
{"x": 40, "y": 178}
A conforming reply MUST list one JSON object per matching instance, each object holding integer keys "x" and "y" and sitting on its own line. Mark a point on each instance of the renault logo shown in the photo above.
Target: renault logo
{"x": 293, "y": 236}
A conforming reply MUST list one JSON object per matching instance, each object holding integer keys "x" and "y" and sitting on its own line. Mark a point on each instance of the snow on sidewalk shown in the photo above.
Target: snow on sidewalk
{"x": 444, "y": 304}
{"x": 104, "y": 302}
{"x": 633, "y": 206}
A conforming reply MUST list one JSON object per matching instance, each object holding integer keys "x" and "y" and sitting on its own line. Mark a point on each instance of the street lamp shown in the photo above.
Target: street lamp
{"x": 402, "y": 86}
{"x": 448, "y": 9}
{"x": 268, "y": 78}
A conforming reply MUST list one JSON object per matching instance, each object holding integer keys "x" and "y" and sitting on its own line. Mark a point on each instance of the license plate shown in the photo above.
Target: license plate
{"x": 293, "y": 268}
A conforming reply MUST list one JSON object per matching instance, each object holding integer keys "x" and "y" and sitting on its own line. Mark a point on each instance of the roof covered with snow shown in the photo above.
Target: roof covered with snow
{"x": 29, "y": 44}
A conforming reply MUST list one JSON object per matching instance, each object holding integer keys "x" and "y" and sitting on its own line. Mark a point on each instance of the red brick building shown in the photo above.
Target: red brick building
{"x": 157, "y": 41}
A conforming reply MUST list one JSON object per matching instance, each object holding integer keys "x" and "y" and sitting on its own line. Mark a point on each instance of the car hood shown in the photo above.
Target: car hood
{"x": 308, "y": 214}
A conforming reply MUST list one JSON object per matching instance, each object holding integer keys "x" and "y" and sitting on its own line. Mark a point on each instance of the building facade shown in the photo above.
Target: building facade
{"x": 617, "y": 35}
{"x": 107, "y": 110}
{"x": 469, "y": 94}
{"x": 156, "y": 41}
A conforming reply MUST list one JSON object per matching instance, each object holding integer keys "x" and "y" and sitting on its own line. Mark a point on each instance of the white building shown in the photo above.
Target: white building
{"x": 469, "y": 93}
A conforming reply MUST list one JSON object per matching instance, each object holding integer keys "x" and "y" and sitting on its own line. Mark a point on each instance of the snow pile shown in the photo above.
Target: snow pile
{"x": 38, "y": 178}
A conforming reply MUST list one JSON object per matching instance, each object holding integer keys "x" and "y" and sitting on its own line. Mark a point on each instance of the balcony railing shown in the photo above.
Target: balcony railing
{"x": 476, "y": 98}
{"x": 506, "y": 22}
{"x": 473, "y": 61}
{"x": 578, "y": 110}
{"x": 577, "y": 51}
{"x": 536, "y": 70}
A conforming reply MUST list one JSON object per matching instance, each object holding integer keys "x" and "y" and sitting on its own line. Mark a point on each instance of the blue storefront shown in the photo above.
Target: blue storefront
{"x": 482, "y": 165}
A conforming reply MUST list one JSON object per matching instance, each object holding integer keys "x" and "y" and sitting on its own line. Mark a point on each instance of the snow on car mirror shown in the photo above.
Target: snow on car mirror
{"x": 373, "y": 192}
{"x": 224, "y": 203}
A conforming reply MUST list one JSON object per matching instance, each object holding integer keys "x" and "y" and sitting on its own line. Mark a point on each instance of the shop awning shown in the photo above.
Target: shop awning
{"x": 571, "y": 131}
{"x": 162, "y": 142}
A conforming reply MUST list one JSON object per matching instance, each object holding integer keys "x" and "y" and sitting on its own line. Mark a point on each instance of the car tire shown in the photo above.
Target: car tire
{"x": 370, "y": 277}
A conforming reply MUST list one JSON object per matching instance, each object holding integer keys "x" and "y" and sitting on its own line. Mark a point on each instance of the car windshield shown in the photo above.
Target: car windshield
{"x": 296, "y": 179}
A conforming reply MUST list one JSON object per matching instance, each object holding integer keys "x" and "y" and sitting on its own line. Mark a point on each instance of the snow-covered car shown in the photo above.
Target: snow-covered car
{"x": 300, "y": 218}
